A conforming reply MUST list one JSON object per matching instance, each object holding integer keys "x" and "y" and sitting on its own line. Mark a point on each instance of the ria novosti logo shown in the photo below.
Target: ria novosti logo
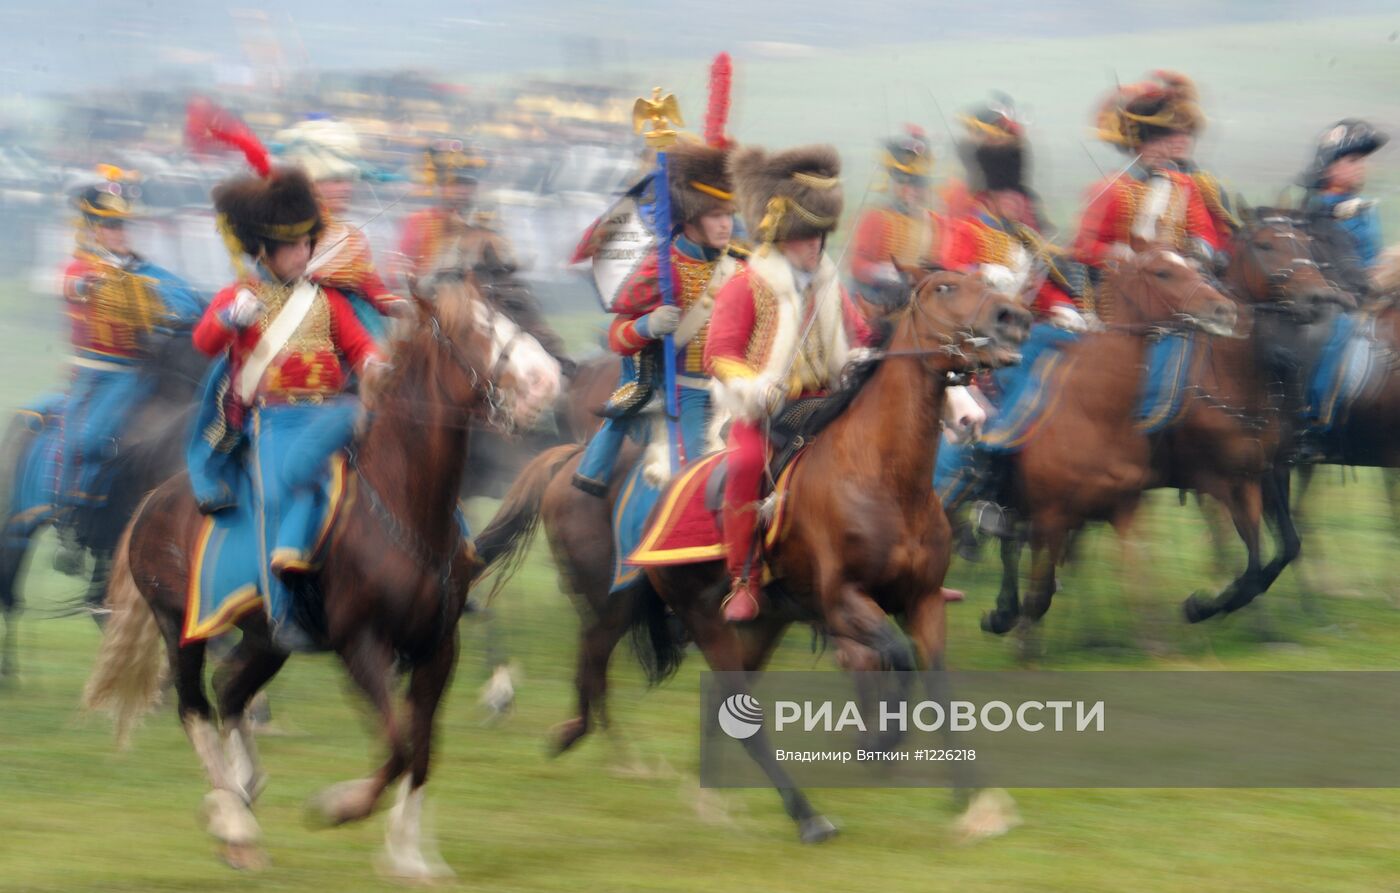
{"x": 740, "y": 716}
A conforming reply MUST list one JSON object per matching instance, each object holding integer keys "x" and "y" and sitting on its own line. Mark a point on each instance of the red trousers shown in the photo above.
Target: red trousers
{"x": 747, "y": 450}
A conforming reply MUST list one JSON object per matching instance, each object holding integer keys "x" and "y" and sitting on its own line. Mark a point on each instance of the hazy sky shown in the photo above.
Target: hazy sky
{"x": 67, "y": 44}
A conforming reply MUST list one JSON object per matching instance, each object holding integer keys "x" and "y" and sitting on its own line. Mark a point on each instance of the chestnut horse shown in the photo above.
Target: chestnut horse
{"x": 859, "y": 551}
{"x": 1087, "y": 460}
{"x": 393, "y": 583}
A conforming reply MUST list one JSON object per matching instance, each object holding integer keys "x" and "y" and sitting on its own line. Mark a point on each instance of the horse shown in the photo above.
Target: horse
{"x": 152, "y": 449}
{"x": 1087, "y": 460}
{"x": 391, "y": 589}
{"x": 855, "y": 554}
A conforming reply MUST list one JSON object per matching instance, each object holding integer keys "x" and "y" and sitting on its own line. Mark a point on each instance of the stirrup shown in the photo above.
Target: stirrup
{"x": 993, "y": 520}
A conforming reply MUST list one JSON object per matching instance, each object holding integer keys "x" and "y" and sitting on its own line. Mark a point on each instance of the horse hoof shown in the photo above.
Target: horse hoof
{"x": 566, "y": 735}
{"x": 345, "y": 801}
{"x": 991, "y": 813}
{"x": 997, "y": 622}
{"x": 817, "y": 829}
{"x": 1197, "y": 607}
{"x": 243, "y": 856}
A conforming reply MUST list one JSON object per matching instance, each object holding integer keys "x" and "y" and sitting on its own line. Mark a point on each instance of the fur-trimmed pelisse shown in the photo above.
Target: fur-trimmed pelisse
{"x": 279, "y": 208}
{"x": 794, "y": 194}
{"x": 699, "y": 178}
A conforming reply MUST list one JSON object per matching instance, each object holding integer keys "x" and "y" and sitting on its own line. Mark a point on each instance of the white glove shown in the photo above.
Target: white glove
{"x": 1351, "y": 207}
{"x": 1067, "y": 318}
{"x": 662, "y": 321}
{"x": 1000, "y": 278}
{"x": 1121, "y": 251}
{"x": 245, "y": 308}
{"x": 885, "y": 273}
{"x": 771, "y": 393}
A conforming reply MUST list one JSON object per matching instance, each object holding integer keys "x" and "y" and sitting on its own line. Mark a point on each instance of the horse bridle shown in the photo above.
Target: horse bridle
{"x": 1277, "y": 297}
{"x": 956, "y": 343}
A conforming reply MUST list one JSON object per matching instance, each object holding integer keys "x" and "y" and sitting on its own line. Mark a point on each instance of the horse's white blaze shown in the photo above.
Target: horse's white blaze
{"x": 963, "y": 414}
{"x": 535, "y": 374}
{"x": 1175, "y": 258}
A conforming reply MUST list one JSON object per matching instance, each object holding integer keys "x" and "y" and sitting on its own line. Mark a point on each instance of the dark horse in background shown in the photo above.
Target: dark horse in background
{"x": 152, "y": 449}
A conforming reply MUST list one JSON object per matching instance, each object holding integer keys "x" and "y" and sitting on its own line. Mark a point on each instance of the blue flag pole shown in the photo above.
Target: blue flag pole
{"x": 661, "y": 222}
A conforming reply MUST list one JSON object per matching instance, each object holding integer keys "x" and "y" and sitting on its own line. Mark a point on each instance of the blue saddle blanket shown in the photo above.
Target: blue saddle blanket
{"x": 1350, "y": 361}
{"x": 1030, "y": 389}
{"x": 635, "y": 501}
{"x": 37, "y": 477}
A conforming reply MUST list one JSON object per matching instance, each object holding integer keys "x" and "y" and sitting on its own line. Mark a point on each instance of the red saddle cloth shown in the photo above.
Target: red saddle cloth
{"x": 686, "y": 530}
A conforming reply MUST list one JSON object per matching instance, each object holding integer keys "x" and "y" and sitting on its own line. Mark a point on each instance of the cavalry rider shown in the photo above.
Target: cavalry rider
{"x": 1151, "y": 201}
{"x": 782, "y": 328}
{"x": 906, "y": 231}
{"x": 456, "y": 229}
{"x": 117, "y": 301}
{"x": 328, "y": 151}
{"x": 996, "y": 229}
{"x": 702, "y": 261}
{"x": 1334, "y": 182}
{"x": 276, "y": 414}
{"x": 1216, "y": 200}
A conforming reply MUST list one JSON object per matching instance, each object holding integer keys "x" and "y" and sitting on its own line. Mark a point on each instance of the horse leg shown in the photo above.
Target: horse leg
{"x": 1008, "y": 609}
{"x": 12, "y": 559}
{"x": 227, "y": 811}
{"x": 242, "y": 675}
{"x": 97, "y": 586}
{"x": 607, "y": 618}
{"x": 370, "y": 663}
{"x": 1275, "y": 493}
{"x": 403, "y": 839}
{"x": 1245, "y": 504}
{"x": 724, "y": 652}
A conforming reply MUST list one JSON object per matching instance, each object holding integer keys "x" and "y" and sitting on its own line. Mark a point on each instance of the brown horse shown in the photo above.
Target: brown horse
{"x": 871, "y": 547}
{"x": 1086, "y": 459}
{"x": 393, "y": 584}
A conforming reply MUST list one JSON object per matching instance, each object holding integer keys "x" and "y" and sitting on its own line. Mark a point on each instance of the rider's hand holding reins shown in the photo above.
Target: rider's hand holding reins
{"x": 244, "y": 310}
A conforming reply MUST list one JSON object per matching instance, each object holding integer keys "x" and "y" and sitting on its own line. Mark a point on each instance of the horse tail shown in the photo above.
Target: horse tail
{"x": 501, "y": 547}
{"x": 131, "y": 663}
{"x": 656, "y": 636}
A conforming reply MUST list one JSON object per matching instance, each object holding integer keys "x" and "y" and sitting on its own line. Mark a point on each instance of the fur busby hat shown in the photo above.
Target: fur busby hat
{"x": 699, "y": 179}
{"x": 907, "y": 158}
{"x": 795, "y": 194}
{"x": 994, "y": 152}
{"x": 1167, "y": 103}
{"x": 261, "y": 211}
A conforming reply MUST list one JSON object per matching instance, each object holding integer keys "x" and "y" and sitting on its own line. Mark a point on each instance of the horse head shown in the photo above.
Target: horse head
{"x": 493, "y": 357}
{"x": 1275, "y": 266}
{"x": 1159, "y": 287}
{"x": 975, "y": 324}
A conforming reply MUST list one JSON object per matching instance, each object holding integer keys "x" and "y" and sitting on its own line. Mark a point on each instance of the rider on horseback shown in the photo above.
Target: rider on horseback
{"x": 1216, "y": 200}
{"x": 455, "y": 227}
{"x": 329, "y": 151}
{"x": 117, "y": 300}
{"x": 703, "y": 260}
{"x": 1152, "y": 201}
{"x": 906, "y": 231}
{"x": 995, "y": 230}
{"x": 273, "y": 414}
{"x": 783, "y": 328}
{"x": 1334, "y": 181}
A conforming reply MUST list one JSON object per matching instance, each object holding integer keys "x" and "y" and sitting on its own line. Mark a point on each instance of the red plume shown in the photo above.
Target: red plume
{"x": 209, "y": 128}
{"x": 717, "y": 115}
